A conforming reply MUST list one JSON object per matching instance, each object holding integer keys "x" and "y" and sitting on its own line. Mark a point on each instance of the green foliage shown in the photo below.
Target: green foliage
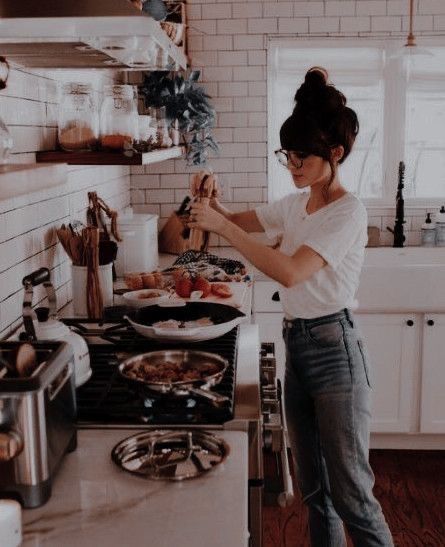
{"x": 186, "y": 101}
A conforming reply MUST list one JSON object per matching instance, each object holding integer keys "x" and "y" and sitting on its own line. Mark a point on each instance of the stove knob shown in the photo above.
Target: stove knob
{"x": 10, "y": 445}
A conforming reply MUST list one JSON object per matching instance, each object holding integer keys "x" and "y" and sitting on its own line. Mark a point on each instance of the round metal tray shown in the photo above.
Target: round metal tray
{"x": 170, "y": 454}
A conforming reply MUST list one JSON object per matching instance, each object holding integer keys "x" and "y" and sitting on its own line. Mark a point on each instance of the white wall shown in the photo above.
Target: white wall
{"x": 27, "y": 239}
{"x": 228, "y": 41}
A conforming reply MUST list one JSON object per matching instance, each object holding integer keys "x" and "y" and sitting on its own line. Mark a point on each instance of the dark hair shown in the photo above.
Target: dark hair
{"x": 320, "y": 120}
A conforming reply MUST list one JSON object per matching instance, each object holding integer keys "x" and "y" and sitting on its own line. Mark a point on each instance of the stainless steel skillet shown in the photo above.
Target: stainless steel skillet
{"x": 132, "y": 370}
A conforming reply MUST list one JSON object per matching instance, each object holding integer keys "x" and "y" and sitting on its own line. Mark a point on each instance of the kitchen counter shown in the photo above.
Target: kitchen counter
{"x": 94, "y": 503}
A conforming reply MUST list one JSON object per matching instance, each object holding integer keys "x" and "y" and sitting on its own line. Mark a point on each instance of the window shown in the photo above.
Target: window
{"x": 400, "y": 106}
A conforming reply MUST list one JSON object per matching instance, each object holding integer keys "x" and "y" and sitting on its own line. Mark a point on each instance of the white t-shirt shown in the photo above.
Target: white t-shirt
{"x": 337, "y": 232}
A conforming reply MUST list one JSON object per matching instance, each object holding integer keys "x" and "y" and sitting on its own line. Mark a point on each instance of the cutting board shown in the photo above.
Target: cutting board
{"x": 236, "y": 300}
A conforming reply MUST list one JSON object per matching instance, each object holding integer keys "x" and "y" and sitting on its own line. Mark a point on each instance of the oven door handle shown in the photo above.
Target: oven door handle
{"x": 286, "y": 497}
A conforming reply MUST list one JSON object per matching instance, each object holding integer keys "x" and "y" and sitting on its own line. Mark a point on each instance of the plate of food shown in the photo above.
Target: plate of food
{"x": 185, "y": 321}
{"x": 145, "y": 297}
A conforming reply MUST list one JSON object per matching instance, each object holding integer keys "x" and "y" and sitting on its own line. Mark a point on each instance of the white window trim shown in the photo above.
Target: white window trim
{"x": 390, "y": 163}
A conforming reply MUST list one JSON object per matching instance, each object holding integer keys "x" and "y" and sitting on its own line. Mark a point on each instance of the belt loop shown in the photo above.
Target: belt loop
{"x": 349, "y": 317}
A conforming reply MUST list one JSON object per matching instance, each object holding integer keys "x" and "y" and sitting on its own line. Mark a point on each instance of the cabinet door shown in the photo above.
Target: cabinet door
{"x": 392, "y": 341}
{"x": 270, "y": 326}
{"x": 432, "y": 407}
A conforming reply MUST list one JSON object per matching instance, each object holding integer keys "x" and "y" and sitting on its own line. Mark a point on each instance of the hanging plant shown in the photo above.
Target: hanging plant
{"x": 187, "y": 102}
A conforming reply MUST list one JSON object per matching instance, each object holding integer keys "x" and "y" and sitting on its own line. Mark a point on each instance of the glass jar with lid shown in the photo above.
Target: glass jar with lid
{"x": 118, "y": 117}
{"x": 78, "y": 123}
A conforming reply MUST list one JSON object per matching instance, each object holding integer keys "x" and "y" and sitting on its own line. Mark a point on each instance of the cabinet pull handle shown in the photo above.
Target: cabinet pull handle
{"x": 276, "y": 296}
{"x": 430, "y": 322}
{"x": 410, "y": 322}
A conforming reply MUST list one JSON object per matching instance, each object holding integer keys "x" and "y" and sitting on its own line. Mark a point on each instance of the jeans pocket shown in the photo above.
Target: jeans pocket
{"x": 365, "y": 360}
{"x": 327, "y": 335}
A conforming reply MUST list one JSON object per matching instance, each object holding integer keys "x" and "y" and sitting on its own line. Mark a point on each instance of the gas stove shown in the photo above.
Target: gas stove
{"x": 107, "y": 400}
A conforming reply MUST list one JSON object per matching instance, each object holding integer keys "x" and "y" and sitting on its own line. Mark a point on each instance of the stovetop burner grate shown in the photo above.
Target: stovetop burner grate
{"x": 107, "y": 399}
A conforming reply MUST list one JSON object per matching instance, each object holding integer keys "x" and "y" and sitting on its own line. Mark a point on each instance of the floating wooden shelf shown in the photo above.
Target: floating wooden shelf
{"x": 109, "y": 158}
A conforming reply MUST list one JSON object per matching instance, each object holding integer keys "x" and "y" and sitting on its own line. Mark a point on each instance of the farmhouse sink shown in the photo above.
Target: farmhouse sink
{"x": 409, "y": 279}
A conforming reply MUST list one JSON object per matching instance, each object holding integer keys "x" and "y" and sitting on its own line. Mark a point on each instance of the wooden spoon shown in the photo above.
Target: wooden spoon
{"x": 25, "y": 360}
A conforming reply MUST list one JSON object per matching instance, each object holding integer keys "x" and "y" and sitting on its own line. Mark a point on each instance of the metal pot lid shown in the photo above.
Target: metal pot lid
{"x": 170, "y": 454}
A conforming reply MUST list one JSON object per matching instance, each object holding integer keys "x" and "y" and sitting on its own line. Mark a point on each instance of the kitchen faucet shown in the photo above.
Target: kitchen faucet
{"x": 399, "y": 237}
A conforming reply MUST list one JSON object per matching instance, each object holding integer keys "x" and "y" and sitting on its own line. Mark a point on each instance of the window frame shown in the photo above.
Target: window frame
{"x": 394, "y": 110}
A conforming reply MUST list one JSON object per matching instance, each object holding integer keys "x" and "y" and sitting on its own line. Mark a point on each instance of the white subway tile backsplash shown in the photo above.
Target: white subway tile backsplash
{"x": 309, "y": 9}
{"x": 295, "y": 25}
{"x": 324, "y": 24}
{"x": 277, "y": 9}
{"x": 216, "y": 11}
{"x": 432, "y": 7}
{"x": 264, "y": 26}
{"x": 249, "y": 104}
{"x": 249, "y": 73}
{"x": 232, "y": 89}
{"x": 355, "y": 24}
{"x": 243, "y": 10}
{"x": 175, "y": 181}
{"x": 423, "y": 23}
{"x": 160, "y": 196}
{"x": 339, "y": 7}
{"x": 248, "y": 194}
{"x": 232, "y": 58}
{"x": 256, "y": 57}
{"x": 252, "y": 41}
{"x": 231, "y": 26}
{"x": 203, "y": 27}
{"x": 371, "y": 7}
{"x": 390, "y": 23}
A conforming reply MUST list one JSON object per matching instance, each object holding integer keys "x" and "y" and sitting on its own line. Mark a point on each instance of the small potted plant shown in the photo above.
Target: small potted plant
{"x": 187, "y": 105}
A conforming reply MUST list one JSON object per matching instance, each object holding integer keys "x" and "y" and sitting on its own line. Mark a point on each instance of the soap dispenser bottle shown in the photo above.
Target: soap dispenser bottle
{"x": 440, "y": 227}
{"x": 428, "y": 232}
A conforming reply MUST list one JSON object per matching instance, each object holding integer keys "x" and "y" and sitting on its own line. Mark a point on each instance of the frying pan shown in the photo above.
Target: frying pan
{"x": 224, "y": 319}
{"x": 189, "y": 359}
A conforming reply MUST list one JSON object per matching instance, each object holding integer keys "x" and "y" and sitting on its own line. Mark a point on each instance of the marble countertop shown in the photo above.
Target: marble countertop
{"x": 94, "y": 503}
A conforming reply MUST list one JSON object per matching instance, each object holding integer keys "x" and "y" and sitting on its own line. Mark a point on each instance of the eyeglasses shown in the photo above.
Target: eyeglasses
{"x": 292, "y": 157}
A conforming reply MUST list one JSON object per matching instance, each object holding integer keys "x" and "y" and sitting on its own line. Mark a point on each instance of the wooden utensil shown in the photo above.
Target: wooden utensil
{"x": 25, "y": 360}
{"x": 94, "y": 292}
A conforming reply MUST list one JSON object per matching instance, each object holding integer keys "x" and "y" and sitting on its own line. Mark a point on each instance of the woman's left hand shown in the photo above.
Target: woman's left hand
{"x": 206, "y": 218}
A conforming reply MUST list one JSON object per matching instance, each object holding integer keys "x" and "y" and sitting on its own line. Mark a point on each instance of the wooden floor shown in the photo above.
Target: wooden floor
{"x": 410, "y": 486}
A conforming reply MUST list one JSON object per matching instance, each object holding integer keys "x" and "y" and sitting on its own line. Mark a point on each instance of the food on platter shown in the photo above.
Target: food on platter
{"x": 203, "y": 285}
{"x": 148, "y": 294}
{"x": 183, "y": 286}
{"x": 170, "y": 372}
{"x": 146, "y": 280}
{"x": 145, "y": 297}
{"x": 222, "y": 290}
{"x": 175, "y": 324}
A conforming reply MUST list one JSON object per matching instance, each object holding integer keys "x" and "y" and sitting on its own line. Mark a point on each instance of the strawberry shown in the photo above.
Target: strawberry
{"x": 222, "y": 290}
{"x": 201, "y": 284}
{"x": 183, "y": 286}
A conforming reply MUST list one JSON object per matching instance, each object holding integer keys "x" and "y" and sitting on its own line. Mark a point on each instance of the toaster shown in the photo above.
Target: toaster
{"x": 37, "y": 421}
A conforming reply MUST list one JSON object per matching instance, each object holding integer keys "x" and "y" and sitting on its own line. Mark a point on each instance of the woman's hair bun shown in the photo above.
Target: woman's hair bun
{"x": 316, "y": 94}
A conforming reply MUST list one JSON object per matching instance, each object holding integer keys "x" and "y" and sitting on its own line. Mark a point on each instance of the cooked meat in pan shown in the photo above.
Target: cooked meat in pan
{"x": 170, "y": 372}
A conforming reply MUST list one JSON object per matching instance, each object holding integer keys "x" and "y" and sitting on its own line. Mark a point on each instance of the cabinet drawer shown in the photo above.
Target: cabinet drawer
{"x": 262, "y": 297}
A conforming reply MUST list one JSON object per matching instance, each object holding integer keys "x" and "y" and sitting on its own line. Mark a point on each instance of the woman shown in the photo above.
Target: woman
{"x": 327, "y": 385}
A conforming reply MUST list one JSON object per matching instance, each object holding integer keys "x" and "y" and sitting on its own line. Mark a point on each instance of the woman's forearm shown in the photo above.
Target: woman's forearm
{"x": 276, "y": 265}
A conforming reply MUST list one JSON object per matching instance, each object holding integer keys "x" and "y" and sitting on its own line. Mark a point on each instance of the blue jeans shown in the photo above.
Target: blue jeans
{"x": 327, "y": 401}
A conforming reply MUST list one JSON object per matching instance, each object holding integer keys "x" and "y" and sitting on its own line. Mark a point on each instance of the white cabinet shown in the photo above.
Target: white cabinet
{"x": 432, "y": 408}
{"x": 392, "y": 341}
{"x": 407, "y": 353}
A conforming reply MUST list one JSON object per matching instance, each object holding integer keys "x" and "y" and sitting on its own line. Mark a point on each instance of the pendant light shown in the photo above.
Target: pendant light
{"x": 411, "y": 48}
